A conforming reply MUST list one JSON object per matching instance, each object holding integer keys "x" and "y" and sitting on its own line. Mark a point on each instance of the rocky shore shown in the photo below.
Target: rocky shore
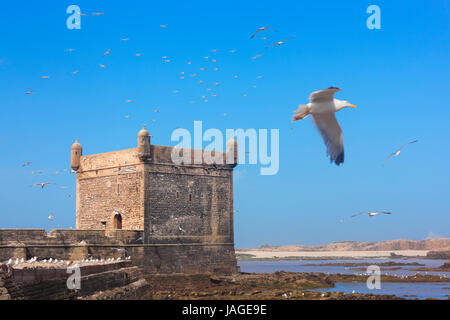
{"x": 271, "y": 286}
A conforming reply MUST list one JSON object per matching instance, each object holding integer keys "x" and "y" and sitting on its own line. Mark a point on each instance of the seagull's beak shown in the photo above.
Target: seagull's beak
{"x": 352, "y": 106}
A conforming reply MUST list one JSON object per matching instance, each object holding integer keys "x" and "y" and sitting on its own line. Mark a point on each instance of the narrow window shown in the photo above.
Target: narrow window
{"x": 190, "y": 197}
{"x": 118, "y": 188}
{"x": 177, "y": 195}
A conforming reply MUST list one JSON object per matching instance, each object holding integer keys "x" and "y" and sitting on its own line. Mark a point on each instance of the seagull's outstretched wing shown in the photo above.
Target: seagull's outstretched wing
{"x": 411, "y": 142}
{"x": 358, "y": 214}
{"x": 388, "y": 158}
{"x": 323, "y": 95}
{"x": 331, "y": 134}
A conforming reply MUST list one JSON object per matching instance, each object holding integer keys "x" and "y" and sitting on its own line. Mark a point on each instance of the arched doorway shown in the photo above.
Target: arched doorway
{"x": 117, "y": 221}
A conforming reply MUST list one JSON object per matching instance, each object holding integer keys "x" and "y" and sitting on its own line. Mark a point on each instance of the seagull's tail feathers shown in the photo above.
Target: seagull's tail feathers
{"x": 302, "y": 112}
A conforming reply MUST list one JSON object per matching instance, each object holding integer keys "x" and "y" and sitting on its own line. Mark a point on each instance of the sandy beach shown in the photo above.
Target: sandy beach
{"x": 264, "y": 254}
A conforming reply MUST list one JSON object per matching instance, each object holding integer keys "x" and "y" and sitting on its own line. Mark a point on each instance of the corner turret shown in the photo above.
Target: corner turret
{"x": 144, "y": 140}
{"x": 232, "y": 152}
{"x": 76, "y": 153}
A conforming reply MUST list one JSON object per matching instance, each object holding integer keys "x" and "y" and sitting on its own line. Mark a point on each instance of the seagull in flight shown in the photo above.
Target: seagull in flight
{"x": 279, "y": 43}
{"x": 42, "y": 185}
{"x": 398, "y": 151}
{"x": 131, "y": 169}
{"x": 259, "y": 29}
{"x": 26, "y": 164}
{"x": 372, "y": 213}
{"x": 322, "y": 107}
{"x": 119, "y": 213}
{"x": 257, "y": 56}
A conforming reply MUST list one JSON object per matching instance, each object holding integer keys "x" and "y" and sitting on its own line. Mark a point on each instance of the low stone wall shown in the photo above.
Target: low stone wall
{"x": 119, "y": 280}
{"x": 66, "y": 244}
{"x": 174, "y": 254}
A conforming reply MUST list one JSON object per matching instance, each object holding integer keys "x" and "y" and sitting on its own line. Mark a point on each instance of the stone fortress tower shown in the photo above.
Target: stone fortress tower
{"x": 185, "y": 211}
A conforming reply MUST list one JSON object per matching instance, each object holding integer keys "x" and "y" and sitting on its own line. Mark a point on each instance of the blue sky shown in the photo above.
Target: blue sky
{"x": 397, "y": 76}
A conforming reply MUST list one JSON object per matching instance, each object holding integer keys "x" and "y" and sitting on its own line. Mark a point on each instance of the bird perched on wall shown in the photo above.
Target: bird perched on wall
{"x": 372, "y": 213}
{"x": 322, "y": 107}
{"x": 42, "y": 185}
{"x": 397, "y": 152}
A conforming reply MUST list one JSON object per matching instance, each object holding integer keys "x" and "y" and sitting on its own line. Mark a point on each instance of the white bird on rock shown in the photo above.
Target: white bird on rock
{"x": 322, "y": 107}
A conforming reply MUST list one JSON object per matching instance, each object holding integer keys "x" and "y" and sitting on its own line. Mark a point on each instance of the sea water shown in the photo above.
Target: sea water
{"x": 402, "y": 289}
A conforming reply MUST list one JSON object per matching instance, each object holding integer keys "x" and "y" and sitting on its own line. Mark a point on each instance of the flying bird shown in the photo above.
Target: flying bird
{"x": 322, "y": 107}
{"x": 260, "y": 29}
{"x": 119, "y": 213}
{"x": 26, "y": 164}
{"x": 97, "y": 13}
{"x": 51, "y": 217}
{"x": 29, "y": 92}
{"x": 279, "y": 43}
{"x": 122, "y": 170}
{"x": 257, "y": 56}
{"x": 45, "y": 77}
{"x": 372, "y": 213}
{"x": 398, "y": 151}
{"x": 75, "y": 72}
{"x": 42, "y": 185}
{"x": 107, "y": 52}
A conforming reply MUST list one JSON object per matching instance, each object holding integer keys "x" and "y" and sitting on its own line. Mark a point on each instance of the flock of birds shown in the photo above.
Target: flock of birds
{"x": 17, "y": 261}
{"x": 210, "y": 93}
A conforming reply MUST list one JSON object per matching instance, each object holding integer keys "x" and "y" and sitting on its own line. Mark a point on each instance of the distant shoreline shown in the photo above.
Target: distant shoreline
{"x": 438, "y": 248}
{"x": 327, "y": 255}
